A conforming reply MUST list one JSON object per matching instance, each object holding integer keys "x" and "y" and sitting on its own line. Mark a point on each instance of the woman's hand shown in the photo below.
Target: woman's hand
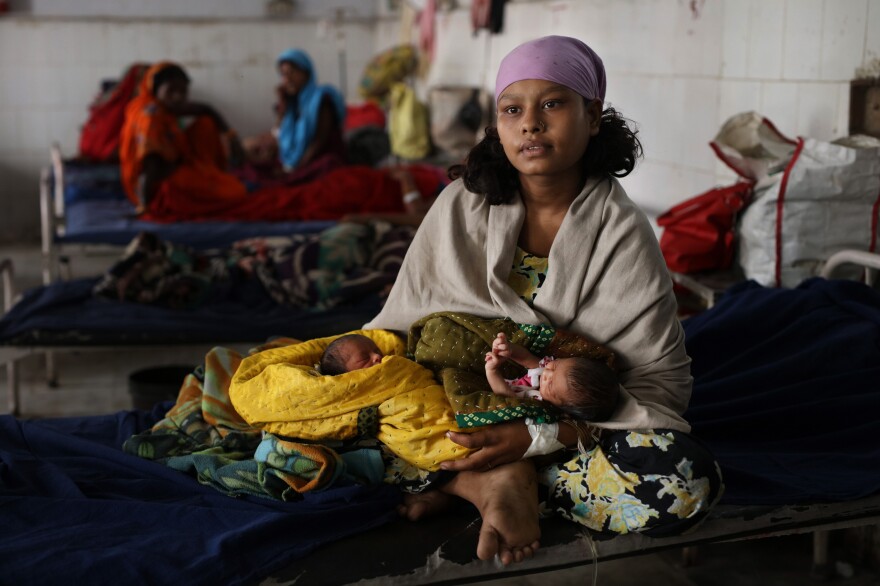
{"x": 495, "y": 444}
{"x": 280, "y": 102}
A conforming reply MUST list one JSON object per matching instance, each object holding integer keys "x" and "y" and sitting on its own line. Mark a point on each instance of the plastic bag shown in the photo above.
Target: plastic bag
{"x": 408, "y": 124}
{"x": 698, "y": 234}
{"x": 826, "y": 200}
{"x": 456, "y": 117}
{"x": 812, "y": 199}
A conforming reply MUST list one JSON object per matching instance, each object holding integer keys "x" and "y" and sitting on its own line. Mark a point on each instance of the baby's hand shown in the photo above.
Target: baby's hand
{"x": 500, "y": 345}
{"x": 492, "y": 361}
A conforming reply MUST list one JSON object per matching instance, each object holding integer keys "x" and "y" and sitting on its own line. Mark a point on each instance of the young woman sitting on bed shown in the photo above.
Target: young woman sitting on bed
{"x": 307, "y": 137}
{"x": 174, "y": 153}
{"x": 538, "y": 229}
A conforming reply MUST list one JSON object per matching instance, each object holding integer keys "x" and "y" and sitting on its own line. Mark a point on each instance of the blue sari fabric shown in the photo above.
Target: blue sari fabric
{"x": 301, "y": 121}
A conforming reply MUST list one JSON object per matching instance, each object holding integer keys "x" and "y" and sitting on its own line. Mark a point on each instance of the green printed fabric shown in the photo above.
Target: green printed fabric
{"x": 458, "y": 340}
{"x": 454, "y": 346}
{"x": 476, "y": 405}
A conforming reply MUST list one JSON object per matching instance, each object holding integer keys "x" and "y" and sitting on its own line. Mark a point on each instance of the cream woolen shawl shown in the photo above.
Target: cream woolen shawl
{"x": 606, "y": 280}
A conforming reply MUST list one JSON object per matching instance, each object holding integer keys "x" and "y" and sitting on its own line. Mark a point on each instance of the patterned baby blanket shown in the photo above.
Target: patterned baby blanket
{"x": 203, "y": 435}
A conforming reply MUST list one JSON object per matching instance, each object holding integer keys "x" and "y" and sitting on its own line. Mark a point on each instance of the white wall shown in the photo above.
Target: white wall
{"x": 192, "y": 8}
{"x": 50, "y": 69}
{"x": 678, "y": 68}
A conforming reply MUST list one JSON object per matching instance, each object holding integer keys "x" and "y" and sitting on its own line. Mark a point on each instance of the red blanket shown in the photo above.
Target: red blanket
{"x": 346, "y": 190}
{"x": 99, "y": 140}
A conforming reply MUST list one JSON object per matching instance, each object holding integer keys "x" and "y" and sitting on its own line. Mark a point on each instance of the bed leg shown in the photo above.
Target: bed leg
{"x": 51, "y": 371}
{"x": 7, "y": 273}
{"x": 873, "y": 545}
{"x": 822, "y": 569}
{"x": 690, "y": 556}
{"x": 65, "y": 270}
{"x": 12, "y": 382}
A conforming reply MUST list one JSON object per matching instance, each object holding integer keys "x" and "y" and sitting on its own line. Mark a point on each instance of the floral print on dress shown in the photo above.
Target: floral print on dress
{"x": 527, "y": 274}
{"x": 659, "y": 483}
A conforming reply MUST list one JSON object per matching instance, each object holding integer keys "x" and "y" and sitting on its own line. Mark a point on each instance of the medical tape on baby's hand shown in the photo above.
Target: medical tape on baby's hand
{"x": 544, "y": 438}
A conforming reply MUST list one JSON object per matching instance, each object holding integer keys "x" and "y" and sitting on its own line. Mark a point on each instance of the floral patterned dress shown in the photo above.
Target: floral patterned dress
{"x": 656, "y": 482}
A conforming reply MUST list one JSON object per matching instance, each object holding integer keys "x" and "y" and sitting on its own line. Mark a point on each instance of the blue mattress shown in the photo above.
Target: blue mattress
{"x": 97, "y": 212}
{"x": 66, "y": 313}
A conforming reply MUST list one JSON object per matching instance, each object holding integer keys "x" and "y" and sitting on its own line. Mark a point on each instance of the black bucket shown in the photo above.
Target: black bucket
{"x": 153, "y": 385}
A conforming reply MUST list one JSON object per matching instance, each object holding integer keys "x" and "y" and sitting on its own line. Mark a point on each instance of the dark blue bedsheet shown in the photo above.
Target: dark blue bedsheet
{"x": 113, "y": 222}
{"x": 97, "y": 212}
{"x": 786, "y": 394}
{"x": 67, "y": 313}
{"x": 74, "y": 509}
{"x": 787, "y": 391}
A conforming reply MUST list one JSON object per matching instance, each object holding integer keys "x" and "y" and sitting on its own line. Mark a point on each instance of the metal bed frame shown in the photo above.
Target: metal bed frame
{"x": 441, "y": 550}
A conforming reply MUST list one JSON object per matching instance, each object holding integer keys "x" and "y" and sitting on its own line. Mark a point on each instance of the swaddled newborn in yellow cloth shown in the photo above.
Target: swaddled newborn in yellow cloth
{"x": 280, "y": 390}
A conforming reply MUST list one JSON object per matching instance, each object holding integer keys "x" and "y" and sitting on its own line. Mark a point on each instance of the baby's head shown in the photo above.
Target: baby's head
{"x": 349, "y": 352}
{"x": 584, "y": 388}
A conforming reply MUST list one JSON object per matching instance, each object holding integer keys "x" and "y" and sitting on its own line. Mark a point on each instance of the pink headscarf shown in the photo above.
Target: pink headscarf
{"x": 564, "y": 60}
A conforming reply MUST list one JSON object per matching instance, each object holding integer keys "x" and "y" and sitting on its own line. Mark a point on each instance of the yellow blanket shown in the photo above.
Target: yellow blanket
{"x": 279, "y": 390}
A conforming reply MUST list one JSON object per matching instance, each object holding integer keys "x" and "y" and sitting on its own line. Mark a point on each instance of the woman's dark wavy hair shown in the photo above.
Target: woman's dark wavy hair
{"x": 166, "y": 74}
{"x": 611, "y": 153}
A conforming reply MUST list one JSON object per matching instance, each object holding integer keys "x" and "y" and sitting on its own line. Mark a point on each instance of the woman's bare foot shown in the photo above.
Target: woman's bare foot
{"x": 507, "y": 498}
{"x": 424, "y": 504}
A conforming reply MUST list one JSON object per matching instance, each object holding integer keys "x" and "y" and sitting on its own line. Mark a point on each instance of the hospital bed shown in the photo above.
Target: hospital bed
{"x": 84, "y": 211}
{"x": 65, "y": 316}
{"x": 83, "y": 208}
{"x": 796, "y": 457}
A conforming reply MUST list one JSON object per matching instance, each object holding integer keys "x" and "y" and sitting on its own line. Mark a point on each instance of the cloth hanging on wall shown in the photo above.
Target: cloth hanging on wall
{"x": 487, "y": 14}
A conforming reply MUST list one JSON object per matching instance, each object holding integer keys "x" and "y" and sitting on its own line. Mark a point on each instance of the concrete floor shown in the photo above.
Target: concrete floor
{"x": 97, "y": 382}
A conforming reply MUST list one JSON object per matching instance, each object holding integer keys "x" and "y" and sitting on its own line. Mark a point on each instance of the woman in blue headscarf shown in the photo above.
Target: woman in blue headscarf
{"x": 310, "y": 116}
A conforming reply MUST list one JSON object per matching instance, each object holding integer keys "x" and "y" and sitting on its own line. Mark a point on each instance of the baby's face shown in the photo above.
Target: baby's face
{"x": 361, "y": 353}
{"x": 554, "y": 381}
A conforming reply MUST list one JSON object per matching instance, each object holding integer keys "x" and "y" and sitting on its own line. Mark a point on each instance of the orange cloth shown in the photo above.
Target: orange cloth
{"x": 99, "y": 140}
{"x": 200, "y": 177}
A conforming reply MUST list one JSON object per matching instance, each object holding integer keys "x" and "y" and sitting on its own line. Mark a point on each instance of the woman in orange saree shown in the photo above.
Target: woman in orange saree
{"x": 170, "y": 169}
{"x": 99, "y": 139}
